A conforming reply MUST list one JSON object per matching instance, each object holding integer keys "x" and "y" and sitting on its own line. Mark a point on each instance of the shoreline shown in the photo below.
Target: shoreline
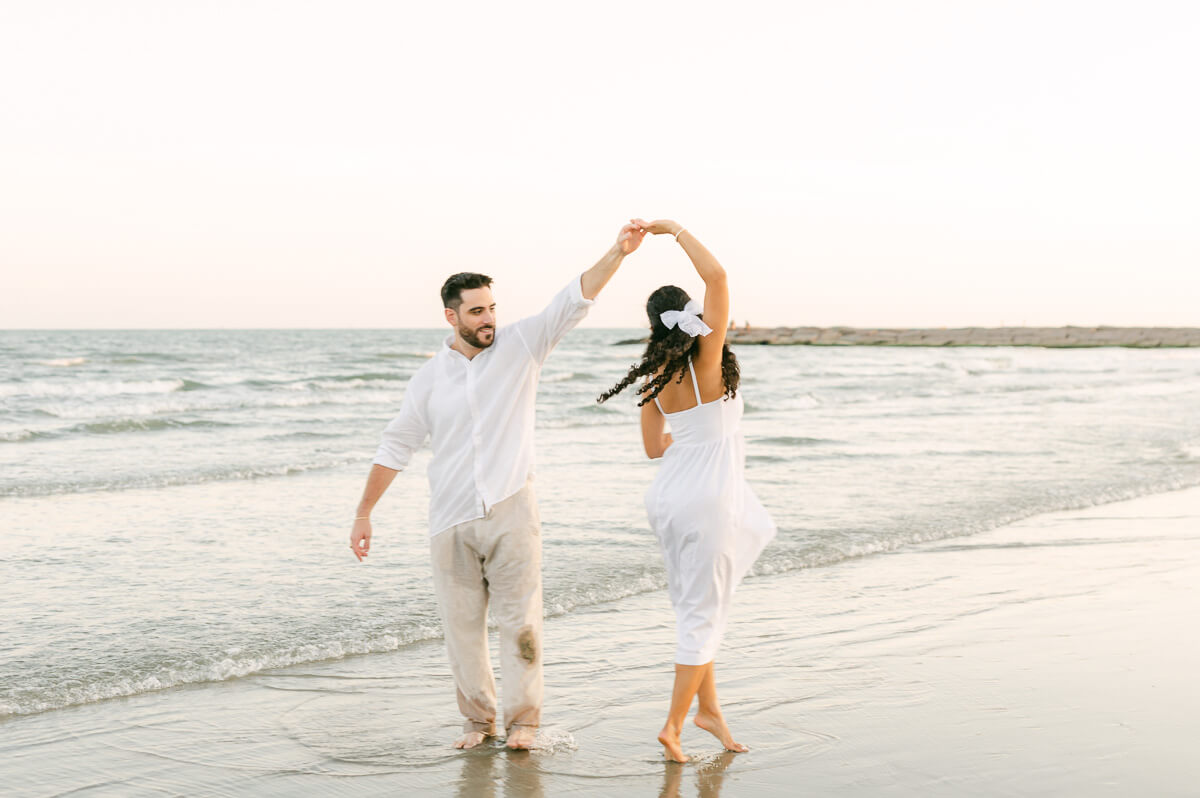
{"x": 1046, "y": 337}
{"x": 1047, "y": 657}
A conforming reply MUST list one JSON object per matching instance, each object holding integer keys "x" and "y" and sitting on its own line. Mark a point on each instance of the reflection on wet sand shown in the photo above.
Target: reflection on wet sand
{"x": 485, "y": 768}
{"x": 710, "y": 776}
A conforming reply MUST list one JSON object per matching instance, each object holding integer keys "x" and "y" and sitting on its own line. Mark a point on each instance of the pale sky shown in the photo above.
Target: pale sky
{"x": 315, "y": 163}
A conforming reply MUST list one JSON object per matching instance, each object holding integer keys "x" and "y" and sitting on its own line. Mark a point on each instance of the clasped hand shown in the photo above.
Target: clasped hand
{"x": 631, "y": 235}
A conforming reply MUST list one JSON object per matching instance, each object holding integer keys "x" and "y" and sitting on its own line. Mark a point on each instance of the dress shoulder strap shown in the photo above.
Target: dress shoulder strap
{"x": 695, "y": 384}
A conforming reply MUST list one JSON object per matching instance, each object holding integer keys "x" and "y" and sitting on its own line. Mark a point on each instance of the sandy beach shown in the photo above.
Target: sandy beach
{"x": 1048, "y": 657}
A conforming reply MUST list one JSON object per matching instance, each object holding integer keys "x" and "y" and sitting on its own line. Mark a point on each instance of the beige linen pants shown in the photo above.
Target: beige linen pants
{"x": 498, "y": 557}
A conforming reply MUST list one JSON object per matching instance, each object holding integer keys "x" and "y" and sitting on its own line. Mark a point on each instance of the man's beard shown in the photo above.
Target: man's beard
{"x": 472, "y": 336}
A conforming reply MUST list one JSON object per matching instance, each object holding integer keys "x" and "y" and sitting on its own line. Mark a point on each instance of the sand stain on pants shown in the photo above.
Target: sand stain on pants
{"x": 496, "y": 559}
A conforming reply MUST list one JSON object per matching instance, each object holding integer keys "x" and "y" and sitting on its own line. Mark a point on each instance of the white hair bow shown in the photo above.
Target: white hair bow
{"x": 688, "y": 319}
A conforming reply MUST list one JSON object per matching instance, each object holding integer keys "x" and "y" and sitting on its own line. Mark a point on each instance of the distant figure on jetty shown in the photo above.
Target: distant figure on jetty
{"x": 475, "y": 400}
{"x": 710, "y": 525}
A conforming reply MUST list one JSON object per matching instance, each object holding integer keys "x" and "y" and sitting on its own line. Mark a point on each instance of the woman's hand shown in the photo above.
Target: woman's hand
{"x": 659, "y": 227}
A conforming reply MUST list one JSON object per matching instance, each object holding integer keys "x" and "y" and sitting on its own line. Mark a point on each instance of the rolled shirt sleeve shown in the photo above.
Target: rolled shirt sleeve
{"x": 542, "y": 331}
{"x": 407, "y": 431}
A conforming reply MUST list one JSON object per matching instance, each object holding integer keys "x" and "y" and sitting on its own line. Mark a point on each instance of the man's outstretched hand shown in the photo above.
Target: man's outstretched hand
{"x": 360, "y": 538}
{"x": 630, "y": 237}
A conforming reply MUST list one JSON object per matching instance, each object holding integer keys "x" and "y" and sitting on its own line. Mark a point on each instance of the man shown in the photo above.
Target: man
{"x": 475, "y": 400}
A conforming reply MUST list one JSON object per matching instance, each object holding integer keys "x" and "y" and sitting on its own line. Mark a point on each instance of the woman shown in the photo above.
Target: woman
{"x": 710, "y": 525}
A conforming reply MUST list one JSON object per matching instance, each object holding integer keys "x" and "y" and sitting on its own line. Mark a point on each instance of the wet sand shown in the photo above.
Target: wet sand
{"x": 1056, "y": 656}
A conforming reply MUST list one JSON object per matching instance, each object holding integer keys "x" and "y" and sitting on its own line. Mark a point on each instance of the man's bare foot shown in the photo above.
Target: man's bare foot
{"x": 470, "y": 739}
{"x": 715, "y": 725}
{"x": 522, "y": 737}
{"x": 669, "y": 738}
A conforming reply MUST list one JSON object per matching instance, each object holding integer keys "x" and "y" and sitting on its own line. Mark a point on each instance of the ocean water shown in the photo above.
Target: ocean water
{"x": 175, "y": 506}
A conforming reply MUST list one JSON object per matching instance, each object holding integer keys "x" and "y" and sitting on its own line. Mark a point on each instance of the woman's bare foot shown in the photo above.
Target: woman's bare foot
{"x": 470, "y": 740}
{"x": 715, "y": 725}
{"x": 522, "y": 737}
{"x": 669, "y": 738}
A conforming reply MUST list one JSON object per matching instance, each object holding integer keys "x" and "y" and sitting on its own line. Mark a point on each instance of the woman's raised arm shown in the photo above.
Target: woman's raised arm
{"x": 716, "y": 287}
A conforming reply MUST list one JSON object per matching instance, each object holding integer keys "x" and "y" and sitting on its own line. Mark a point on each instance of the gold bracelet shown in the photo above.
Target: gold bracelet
{"x": 362, "y": 518}
{"x": 682, "y": 230}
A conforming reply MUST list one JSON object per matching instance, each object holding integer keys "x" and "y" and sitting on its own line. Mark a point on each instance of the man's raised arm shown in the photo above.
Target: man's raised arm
{"x": 542, "y": 331}
{"x": 595, "y": 278}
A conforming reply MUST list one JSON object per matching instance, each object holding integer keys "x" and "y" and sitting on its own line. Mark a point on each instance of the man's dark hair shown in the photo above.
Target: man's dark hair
{"x": 457, "y": 283}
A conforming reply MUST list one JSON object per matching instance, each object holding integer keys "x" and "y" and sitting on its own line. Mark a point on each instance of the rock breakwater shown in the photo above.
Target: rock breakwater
{"x": 1050, "y": 337}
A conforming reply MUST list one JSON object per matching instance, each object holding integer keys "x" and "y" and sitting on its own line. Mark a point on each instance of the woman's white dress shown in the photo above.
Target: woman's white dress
{"x": 709, "y": 523}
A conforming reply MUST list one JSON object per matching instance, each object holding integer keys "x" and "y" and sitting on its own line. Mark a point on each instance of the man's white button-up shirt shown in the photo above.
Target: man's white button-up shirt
{"x": 479, "y": 414}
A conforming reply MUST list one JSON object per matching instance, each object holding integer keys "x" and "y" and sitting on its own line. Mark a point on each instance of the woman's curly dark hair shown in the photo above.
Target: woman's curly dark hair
{"x": 668, "y": 350}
